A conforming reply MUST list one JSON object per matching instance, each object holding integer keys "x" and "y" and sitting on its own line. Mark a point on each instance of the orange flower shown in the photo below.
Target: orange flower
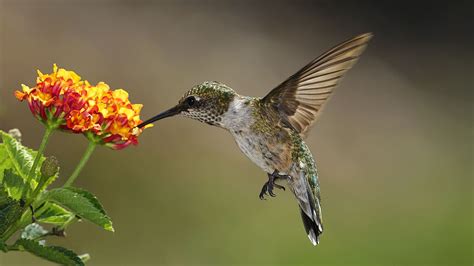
{"x": 61, "y": 99}
{"x": 54, "y": 95}
{"x": 109, "y": 115}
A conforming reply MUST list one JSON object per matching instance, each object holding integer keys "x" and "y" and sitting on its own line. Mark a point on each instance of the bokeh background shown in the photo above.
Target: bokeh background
{"x": 394, "y": 147}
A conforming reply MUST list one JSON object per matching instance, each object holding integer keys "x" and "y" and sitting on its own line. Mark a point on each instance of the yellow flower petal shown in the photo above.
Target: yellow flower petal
{"x": 39, "y": 73}
{"x": 103, "y": 86}
{"x": 66, "y": 75}
{"x": 74, "y": 76}
{"x": 120, "y": 94}
{"x": 25, "y": 88}
{"x": 104, "y": 112}
{"x": 137, "y": 108}
{"x": 129, "y": 113}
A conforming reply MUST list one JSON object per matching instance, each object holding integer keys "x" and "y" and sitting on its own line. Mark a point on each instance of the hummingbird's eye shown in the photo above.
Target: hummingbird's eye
{"x": 190, "y": 101}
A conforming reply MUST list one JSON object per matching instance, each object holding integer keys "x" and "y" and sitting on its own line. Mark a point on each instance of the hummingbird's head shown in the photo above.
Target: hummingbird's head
{"x": 206, "y": 102}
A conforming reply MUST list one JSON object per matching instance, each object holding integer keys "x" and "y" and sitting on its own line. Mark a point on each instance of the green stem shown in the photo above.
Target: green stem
{"x": 48, "y": 131}
{"x": 82, "y": 162}
{"x": 44, "y": 141}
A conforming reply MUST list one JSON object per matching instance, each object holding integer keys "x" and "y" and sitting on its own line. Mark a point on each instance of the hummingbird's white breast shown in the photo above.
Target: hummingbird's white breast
{"x": 259, "y": 148}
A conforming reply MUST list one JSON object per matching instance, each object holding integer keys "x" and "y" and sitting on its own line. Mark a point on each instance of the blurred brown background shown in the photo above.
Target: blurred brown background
{"x": 394, "y": 147}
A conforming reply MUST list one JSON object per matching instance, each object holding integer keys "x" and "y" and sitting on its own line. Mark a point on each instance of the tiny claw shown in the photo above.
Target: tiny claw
{"x": 262, "y": 193}
{"x": 267, "y": 188}
{"x": 279, "y": 186}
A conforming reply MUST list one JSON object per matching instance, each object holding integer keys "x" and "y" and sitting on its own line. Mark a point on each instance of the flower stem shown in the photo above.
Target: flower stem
{"x": 12, "y": 229}
{"x": 47, "y": 133}
{"x": 82, "y": 162}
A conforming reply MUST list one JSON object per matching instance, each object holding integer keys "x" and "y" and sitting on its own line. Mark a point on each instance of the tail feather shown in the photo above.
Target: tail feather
{"x": 305, "y": 186}
{"x": 312, "y": 229}
{"x": 312, "y": 223}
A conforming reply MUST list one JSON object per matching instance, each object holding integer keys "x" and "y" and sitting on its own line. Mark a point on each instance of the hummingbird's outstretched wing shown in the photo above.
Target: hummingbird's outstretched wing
{"x": 300, "y": 98}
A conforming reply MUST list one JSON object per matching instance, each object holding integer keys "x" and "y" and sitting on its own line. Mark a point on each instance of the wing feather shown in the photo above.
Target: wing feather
{"x": 300, "y": 98}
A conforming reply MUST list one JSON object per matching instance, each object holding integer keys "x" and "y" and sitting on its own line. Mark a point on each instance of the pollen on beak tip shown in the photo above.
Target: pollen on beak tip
{"x": 135, "y": 131}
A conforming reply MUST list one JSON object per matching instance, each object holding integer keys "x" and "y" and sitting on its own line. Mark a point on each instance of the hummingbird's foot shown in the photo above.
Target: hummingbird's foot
{"x": 267, "y": 188}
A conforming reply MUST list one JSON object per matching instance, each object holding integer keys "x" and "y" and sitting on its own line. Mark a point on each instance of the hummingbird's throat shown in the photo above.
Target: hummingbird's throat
{"x": 205, "y": 116}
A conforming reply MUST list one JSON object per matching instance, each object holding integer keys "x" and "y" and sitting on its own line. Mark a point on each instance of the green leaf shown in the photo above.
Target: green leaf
{"x": 33, "y": 231}
{"x": 82, "y": 203}
{"x": 10, "y": 210}
{"x": 5, "y": 162}
{"x": 13, "y": 184}
{"x": 52, "y": 253}
{"x": 54, "y": 214}
{"x": 21, "y": 158}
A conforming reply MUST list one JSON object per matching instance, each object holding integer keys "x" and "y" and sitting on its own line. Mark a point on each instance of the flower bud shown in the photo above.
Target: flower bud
{"x": 49, "y": 167}
{"x": 15, "y": 133}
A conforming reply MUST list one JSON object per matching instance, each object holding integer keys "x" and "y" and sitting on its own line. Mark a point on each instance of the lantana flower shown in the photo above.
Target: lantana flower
{"x": 108, "y": 116}
{"x": 54, "y": 96}
{"x": 62, "y": 100}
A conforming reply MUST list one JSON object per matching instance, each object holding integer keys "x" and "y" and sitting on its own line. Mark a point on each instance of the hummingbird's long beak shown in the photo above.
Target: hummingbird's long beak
{"x": 170, "y": 112}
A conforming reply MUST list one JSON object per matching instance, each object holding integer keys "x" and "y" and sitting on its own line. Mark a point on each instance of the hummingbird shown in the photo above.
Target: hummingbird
{"x": 270, "y": 130}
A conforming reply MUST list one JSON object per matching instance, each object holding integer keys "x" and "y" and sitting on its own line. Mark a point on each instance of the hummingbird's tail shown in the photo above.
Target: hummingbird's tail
{"x": 312, "y": 223}
{"x": 305, "y": 186}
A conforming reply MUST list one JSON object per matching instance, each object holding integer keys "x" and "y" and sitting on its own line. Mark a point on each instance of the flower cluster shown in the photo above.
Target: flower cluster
{"x": 61, "y": 99}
